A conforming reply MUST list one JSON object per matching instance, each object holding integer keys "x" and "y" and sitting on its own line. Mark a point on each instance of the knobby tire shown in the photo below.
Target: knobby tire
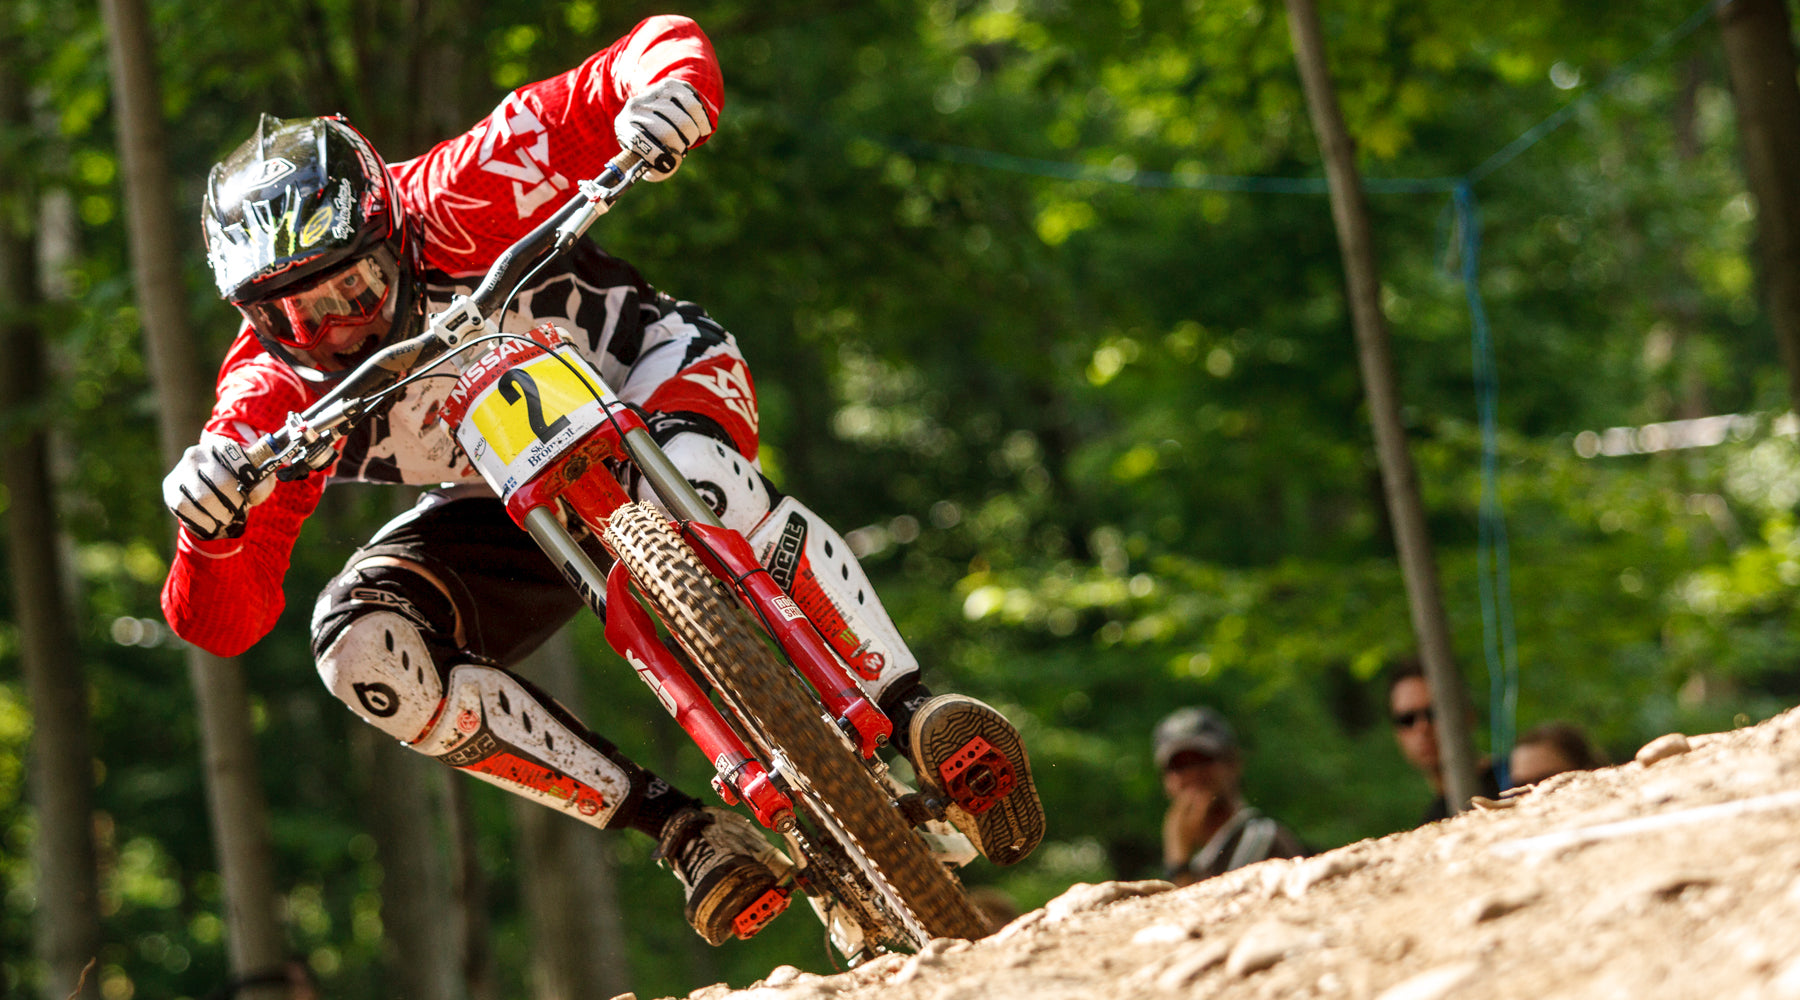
{"x": 718, "y": 635}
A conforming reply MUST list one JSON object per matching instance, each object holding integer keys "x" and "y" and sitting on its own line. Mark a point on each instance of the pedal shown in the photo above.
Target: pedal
{"x": 977, "y": 775}
{"x": 757, "y": 915}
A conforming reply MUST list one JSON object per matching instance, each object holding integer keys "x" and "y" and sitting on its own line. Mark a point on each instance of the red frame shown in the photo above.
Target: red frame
{"x": 571, "y": 478}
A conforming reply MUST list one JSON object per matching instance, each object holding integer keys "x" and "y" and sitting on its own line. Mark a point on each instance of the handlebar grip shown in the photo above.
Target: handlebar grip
{"x": 623, "y": 163}
{"x": 261, "y": 451}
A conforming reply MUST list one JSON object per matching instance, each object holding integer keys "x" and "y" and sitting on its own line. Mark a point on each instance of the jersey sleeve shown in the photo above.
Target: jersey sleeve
{"x": 477, "y": 193}
{"x": 225, "y": 595}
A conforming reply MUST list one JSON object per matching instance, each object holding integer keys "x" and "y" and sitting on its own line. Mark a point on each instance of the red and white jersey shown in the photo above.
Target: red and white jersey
{"x": 472, "y": 197}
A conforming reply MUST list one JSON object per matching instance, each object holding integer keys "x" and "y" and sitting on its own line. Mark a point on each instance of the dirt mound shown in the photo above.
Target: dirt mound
{"x": 1676, "y": 875}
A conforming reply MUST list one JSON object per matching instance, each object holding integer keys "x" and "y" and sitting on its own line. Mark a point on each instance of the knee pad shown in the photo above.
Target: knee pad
{"x": 814, "y": 564}
{"x": 732, "y": 485}
{"x": 504, "y": 732}
{"x": 379, "y": 665}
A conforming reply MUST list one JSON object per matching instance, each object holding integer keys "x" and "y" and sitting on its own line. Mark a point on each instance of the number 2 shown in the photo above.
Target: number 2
{"x": 519, "y": 382}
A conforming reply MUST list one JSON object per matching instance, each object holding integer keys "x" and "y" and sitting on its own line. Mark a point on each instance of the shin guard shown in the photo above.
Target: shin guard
{"x": 496, "y": 728}
{"x": 814, "y": 564}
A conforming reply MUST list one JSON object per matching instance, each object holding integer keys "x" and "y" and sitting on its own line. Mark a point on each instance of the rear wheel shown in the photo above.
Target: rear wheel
{"x": 784, "y": 720}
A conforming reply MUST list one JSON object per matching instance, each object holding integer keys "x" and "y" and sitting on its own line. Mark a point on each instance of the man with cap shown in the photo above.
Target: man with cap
{"x": 1209, "y": 828}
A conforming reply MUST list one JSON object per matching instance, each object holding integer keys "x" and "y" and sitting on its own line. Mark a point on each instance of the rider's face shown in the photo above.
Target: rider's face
{"x": 331, "y": 322}
{"x": 344, "y": 345}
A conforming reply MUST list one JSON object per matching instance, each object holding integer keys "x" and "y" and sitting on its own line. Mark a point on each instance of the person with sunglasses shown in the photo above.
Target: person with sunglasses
{"x": 1415, "y": 729}
{"x": 329, "y": 252}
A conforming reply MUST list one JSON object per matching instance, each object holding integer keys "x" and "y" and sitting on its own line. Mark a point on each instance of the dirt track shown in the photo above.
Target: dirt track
{"x": 1677, "y": 878}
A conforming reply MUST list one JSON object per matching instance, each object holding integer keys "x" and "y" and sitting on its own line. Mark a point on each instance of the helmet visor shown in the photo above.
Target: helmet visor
{"x": 354, "y": 295}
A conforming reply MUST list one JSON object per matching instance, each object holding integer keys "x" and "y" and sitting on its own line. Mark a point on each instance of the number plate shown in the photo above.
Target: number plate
{"x": 527, "y": 417}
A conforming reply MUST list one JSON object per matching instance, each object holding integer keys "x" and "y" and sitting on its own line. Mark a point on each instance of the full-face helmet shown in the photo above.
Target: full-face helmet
{"x": 307, "y": 238}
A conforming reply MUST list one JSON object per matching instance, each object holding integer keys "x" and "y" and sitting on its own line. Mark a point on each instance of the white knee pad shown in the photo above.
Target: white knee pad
{"x": 814, "y": 564}
{"x": 379, "y": 666}
{"x": 497, "y": 729}
{"x": 729, "y": 482}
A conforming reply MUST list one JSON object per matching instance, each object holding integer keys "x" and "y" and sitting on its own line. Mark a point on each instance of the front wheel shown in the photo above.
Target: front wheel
{"x": 831, "y": 785}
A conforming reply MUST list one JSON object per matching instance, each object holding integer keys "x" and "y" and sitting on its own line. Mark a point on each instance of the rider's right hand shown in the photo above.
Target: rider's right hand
{"x": 662, "y": 124}
{"x": 204, "y": 489}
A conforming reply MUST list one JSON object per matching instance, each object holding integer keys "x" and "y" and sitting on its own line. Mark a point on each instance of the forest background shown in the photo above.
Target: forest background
{"x": 1090, "y": 405}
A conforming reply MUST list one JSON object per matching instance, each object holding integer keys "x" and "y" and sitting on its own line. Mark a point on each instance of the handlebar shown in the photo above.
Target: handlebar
{"x": 304, "y": 445}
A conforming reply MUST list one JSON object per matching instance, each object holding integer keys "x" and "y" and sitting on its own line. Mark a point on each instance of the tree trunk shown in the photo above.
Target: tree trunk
{"x": 402, "y": 791}
{"x": 1759, "y": 53}
{"x": 66, "y": 920}
{"x": 233, "y": 793}
{"x": 469, "y": 889}
{"x": 1350, "y": 213}
{"x": 578, "y": 935}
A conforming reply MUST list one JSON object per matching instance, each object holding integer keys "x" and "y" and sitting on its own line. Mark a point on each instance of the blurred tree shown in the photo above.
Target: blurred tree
{"x": 1400, "y": 485}
{"x": 234, "y": 792}
{"x": 66, "y": 932}
{"x": 1759, "y": 51}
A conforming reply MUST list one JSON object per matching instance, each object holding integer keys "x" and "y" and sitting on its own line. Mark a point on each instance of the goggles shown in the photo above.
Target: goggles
{"x": 353, "y": 295}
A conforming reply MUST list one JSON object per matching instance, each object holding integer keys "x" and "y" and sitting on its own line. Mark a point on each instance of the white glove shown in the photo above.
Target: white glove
{"x": 205, "y": 489}
{"x": 662, "y": 124}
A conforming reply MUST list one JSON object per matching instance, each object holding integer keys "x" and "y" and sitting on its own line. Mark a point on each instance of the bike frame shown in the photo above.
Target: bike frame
{"x": 541, "y": 426}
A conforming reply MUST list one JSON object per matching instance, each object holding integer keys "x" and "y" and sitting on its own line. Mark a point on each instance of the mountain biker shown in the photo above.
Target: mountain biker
{"x": 330, "y": 253}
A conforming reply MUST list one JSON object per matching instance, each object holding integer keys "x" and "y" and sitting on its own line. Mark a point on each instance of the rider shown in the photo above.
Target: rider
{"x": 329, "y": 253}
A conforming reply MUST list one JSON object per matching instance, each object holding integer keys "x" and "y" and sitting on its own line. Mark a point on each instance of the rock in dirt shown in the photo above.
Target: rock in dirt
{"x": 1662, "y": 748}
{"x": 1302, "y": 877}
{"x": 1267, "y": 943}
{"x": 1089, "y": 896}
{"x": 1491, "y": 905}
{"x": 1433, "y": 984}
{"x": 1162, "y": 934}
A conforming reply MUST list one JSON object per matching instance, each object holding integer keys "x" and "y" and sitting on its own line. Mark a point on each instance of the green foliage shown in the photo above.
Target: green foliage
{"x": 1102, "y": 443}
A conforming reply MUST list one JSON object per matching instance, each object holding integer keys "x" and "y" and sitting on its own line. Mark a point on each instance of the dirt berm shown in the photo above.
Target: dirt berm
{"x": 1675, "y": 875}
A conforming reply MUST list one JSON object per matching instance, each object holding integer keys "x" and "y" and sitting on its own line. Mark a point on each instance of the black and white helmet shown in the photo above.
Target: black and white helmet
{"x": 305, "y": 236}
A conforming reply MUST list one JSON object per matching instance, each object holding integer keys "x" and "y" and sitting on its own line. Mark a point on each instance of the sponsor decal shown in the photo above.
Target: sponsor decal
{"x": 517, "y": 147}
{"x": 789, "y": 610}
{"x": 467, "y": 721}
{"x": 270, "y": 171}
{"x": 480, "y": 374}
{"x": 650, "y": 678}
{"x": 315, "y": 227}
{"x": 340, "y": 207}
{"x": 392, "y": 602}
{"x": 593, "y": 598}
{"x": 784, "y": 562}
{"x": 379, "y": 699}
{"x": 474, "y": 751}
{"x": 732, "y": 385}
{"x": 869, "y": 665}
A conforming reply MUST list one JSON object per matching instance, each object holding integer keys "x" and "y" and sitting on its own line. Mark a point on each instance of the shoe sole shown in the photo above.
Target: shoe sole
{"x": 948, "y": 733}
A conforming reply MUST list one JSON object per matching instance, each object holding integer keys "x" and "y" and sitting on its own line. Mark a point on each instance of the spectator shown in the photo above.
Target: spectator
{"x": 1550, "y": 749}
{"x": 1209, "y": 829}
{"x": 1415, "y": 727}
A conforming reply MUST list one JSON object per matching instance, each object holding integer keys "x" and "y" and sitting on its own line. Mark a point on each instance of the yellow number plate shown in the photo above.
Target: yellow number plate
{"x": 529, "y": 416}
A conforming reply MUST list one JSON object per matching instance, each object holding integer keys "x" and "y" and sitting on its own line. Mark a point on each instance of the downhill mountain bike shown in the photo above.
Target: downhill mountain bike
{"x": 789, "y": 733}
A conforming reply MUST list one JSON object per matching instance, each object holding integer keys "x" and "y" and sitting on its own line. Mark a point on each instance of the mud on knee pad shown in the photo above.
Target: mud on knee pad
{"x": 380, "y": 666}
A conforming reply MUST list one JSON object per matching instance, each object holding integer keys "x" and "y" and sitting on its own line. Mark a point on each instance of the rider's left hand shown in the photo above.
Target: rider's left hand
{"x": 662, "y": 124}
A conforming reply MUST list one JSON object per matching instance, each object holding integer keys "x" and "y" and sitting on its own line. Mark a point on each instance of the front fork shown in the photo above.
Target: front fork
{"x": 630, "y": 630}
{"x": 739, "y": 776}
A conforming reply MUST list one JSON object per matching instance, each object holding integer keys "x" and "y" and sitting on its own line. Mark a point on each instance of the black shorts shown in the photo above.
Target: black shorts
{"x": 487, "y": 591}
